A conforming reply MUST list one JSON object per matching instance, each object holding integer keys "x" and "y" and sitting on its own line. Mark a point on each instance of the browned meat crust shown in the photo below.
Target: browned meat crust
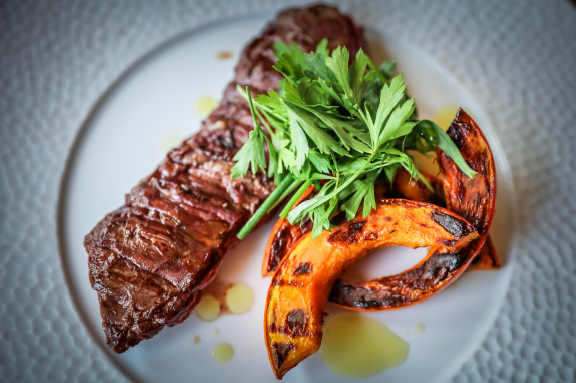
{"x": 150, "y": 259}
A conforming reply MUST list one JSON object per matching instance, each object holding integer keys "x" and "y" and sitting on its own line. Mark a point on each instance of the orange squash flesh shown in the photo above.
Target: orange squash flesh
{"x": 472, "y": 199}
{"x": 302, "y": 282}
{"x": 415, "y": 190}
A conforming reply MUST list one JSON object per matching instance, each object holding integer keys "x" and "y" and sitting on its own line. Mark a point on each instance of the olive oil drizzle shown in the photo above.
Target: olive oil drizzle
{"x": 356, "y": 346}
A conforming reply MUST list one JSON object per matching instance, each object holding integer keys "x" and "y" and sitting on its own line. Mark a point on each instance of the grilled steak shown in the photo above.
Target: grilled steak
{"x": 150, "y": 259}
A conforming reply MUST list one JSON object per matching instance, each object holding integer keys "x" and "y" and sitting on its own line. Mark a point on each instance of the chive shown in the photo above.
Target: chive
{"x": 294, "y": 198}
{"x": 290, "y": 189}
{"x": 376, "y": 70}
{"x": 253, "y": 221}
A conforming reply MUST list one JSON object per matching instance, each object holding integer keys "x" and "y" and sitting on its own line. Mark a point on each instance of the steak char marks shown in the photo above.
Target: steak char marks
{"x": 150, "y": 259}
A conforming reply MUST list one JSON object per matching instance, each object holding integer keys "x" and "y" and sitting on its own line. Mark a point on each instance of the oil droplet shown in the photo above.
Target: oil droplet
{"x": 445, "y": 116}
{"x": 419, "y": 328}
{"x": 215, "y": 332}
{"x": 222, "y": 352}
{"x": 171, "y": 141}
{"x": 356, "y": 346}
{"x": 209, "y": 308}
{"x": 205, "y": 105}
{"x": 224, "y": 55}
{"x": 196, "y": 339}
{"x": 239, "y": 298}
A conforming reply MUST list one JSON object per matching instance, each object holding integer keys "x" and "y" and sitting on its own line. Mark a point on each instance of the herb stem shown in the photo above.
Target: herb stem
{"x": 289, "y": 190}
{"x": 264, "y": 122}
{"x": 355, "y": 175}
{"x": 252, "y": 110}
{"x": 294, "y": 198}
{"x": 322, "y": 200}
{"x": 423, "y": 179}
{"x": 376, "y": 70}
{"x": 253, "y": 221}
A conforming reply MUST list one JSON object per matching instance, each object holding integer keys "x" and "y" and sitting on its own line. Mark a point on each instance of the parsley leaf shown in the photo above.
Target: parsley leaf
{"x": 251, "y": 153}
{"x": 338, "y": 64}
{"x": 364, "y": 191}
{"x": 320, "y": 162}
{"x": 358, "y": 80}
{"x": 324, "y": 142}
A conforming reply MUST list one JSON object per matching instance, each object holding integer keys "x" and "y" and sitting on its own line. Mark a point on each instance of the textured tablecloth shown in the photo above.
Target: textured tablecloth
{"x": 517, "y": 58}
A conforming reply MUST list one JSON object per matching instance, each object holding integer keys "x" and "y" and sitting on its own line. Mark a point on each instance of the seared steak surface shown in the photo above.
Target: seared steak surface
{"x": 150, "y": 259}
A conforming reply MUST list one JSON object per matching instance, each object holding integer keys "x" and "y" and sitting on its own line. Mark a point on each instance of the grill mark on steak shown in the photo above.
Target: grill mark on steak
{"x": 150, "y": 259}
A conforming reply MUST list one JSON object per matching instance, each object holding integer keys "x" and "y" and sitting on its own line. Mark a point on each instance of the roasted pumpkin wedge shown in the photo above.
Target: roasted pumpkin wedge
{"x": 300, "y": 286}
{"x": 473, "y": 199}
{"x": 285, "y": 235}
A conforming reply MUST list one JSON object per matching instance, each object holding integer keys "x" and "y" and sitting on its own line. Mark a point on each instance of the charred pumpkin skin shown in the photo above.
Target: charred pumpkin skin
{"x": 283, "y": 237}
{"x": 472, "y": 199}
{"x": 300, "y": 287}
{"x": 487, "y": 258}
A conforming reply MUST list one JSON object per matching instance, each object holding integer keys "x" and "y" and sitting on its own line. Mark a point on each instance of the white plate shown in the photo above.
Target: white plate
{"x": 125, "y": 139}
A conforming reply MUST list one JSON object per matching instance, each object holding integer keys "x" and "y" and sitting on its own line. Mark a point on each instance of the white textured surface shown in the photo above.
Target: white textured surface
{"x": 517, "y": 59}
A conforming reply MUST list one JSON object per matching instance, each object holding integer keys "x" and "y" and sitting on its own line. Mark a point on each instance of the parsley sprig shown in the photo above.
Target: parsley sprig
{"x": 337, "y": 126}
